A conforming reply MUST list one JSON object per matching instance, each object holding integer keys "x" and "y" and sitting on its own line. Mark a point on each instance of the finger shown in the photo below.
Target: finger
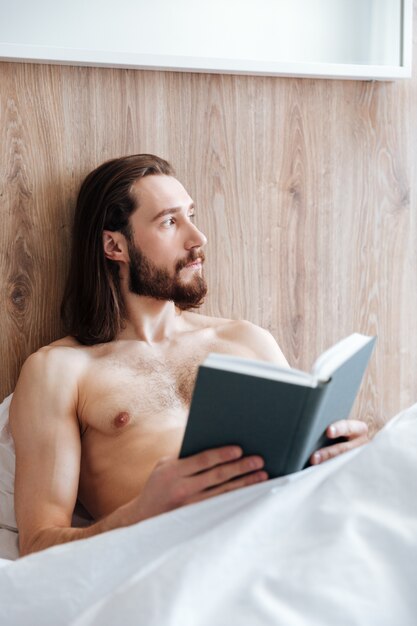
{"x": 209, "y": 458}
{"x": 347, "y": 428}
{"x": 225, "y": 472}
{"x": 331, "y": 452}
{"x": 232, "y": 485}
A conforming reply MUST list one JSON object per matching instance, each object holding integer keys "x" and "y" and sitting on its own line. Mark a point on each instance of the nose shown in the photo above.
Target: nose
{"x": 195, "y": 238}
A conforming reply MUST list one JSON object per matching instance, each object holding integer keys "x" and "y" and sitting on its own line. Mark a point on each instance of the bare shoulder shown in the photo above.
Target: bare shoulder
{"x": 50, "y": 377}
{"x": 64, "y": 355}
{"x": 257, "y": 340}
{"x": 243, "y": 338}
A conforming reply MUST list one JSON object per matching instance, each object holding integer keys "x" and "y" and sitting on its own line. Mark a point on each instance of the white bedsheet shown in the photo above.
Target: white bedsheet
{"x": 333, "y": 545}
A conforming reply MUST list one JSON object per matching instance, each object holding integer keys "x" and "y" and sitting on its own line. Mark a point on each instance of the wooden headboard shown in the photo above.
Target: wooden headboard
{"x": 305, "y": 189}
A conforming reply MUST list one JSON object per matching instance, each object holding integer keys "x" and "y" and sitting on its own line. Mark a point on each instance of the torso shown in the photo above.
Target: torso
{"x": 133, "y": 402}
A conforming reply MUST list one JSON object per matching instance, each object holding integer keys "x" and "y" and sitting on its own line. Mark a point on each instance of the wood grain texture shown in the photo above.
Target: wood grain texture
{"x": 304, "y": 188}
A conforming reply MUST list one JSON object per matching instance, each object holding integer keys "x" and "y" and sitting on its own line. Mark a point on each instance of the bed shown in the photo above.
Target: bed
{"x": 334, "y": 544}
{"x": 8, "y": 528}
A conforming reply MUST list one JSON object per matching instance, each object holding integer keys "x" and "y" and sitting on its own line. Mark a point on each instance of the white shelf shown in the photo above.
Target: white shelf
{"x": 138, "y": 35}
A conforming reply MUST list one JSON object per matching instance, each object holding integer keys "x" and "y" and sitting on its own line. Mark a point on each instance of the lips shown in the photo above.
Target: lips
{"x": 195, "y": 260}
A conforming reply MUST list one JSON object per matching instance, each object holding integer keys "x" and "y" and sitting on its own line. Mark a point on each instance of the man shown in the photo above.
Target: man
{"x": 100, "y": 414}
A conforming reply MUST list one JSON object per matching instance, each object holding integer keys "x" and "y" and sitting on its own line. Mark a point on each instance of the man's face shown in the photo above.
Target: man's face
{"x": 166, "y": 257}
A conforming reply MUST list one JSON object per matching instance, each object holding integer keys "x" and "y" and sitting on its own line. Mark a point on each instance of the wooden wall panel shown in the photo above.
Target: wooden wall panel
{"x": 305, "y": 189}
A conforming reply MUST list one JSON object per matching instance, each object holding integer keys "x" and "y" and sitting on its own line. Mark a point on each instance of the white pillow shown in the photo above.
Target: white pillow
{"x": 7, "y": 472}
{"x": 7, "y": 469}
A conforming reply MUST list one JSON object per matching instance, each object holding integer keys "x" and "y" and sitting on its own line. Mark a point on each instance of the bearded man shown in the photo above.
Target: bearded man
{"x": 100, "y": 414}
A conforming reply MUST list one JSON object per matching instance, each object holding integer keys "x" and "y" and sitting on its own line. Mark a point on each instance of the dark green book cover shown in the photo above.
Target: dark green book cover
{"x": 284, "y": 421}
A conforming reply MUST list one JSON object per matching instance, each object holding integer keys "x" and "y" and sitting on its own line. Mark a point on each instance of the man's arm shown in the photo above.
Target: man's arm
{"x": 46, "y": 433}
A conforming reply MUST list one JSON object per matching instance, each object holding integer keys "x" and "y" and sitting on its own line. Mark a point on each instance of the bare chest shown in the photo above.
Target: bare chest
{"x": 142, "y": 391}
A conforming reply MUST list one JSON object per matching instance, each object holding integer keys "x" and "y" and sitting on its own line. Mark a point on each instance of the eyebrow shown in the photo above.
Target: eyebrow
{"x": 174, "y": 209}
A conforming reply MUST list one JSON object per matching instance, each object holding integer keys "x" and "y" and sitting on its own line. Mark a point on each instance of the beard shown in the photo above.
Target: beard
{"x": 146, "y": 279}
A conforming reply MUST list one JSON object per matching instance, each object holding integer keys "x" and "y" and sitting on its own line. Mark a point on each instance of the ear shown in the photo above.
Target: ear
{"x": 114, "y": 246}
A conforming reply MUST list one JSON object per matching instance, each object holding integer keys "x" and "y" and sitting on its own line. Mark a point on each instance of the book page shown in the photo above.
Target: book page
{"x": 262, "y": 369}
{"x": 338, "y": 354}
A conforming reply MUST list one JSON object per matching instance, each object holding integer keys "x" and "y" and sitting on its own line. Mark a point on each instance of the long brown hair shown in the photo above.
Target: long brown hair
{"x": 92, "y": 307}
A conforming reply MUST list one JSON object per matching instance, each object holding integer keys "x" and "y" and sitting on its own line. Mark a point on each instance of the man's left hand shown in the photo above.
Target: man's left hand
{"x": 355, "y": 433}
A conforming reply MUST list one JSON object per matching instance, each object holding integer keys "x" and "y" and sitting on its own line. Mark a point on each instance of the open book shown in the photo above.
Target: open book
{"x": 281, "y": 414}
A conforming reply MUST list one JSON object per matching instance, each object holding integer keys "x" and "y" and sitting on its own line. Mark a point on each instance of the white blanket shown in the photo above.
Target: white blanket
{"x": 333, "y": 545}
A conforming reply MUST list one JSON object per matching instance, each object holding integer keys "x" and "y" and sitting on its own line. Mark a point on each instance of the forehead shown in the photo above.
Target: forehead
{"x": 157, "y": 192}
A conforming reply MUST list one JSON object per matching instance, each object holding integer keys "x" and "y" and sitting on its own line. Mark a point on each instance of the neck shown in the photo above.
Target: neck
{"x": 148, "y": 319}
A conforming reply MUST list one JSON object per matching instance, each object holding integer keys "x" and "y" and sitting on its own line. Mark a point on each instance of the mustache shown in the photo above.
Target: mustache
{"x": 193, "y": 256}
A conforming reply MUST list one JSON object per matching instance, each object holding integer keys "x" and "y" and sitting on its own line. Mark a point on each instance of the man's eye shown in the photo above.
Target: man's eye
{"x": 169, "y": 222}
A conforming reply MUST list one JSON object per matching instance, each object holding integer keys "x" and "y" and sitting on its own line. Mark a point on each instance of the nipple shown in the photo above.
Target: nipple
{"x": 121, "y": 419}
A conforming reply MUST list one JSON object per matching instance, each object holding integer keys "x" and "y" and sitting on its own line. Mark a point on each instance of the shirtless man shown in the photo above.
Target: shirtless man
{"x": 100, "y": 414}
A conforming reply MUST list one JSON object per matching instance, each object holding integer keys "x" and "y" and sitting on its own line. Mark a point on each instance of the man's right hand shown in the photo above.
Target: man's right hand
{"x": 176, "y": 482}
